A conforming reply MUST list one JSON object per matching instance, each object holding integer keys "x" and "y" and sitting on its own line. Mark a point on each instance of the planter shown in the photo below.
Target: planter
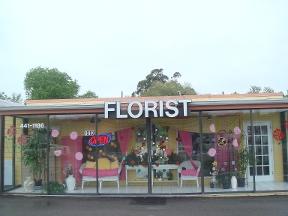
{"x": 212, "y": 185}
{"x": 226, "y": 184}
{"x": 241, "y": 182}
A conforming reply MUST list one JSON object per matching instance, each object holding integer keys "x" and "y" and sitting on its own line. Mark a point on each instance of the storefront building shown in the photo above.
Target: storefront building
{"x": 145, "y": 145}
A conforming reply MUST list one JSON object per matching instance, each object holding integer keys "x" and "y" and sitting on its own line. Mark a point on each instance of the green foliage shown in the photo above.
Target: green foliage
{"x": 45, "y": 83}
{"x": 243, "y": 160}
{"x": 55, "y": 188}
{"x": 88, "y": 94}
{"x": 258, "y": 90}
{"x": 158, "y": 84}
{"x": 255, "y": 90}
{"x": 170, "y": 88}
{"x": 155, "y": 75}
{"x": 35, "y": 153}
{"x": 268, "y": 90}
{"x": 14, "y": 97}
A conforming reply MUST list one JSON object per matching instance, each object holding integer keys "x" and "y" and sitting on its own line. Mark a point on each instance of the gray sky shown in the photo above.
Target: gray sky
{"x": 108, "y": 46}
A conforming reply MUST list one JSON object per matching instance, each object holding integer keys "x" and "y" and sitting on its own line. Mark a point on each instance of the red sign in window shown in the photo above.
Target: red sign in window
{"x": 100, "y": 140}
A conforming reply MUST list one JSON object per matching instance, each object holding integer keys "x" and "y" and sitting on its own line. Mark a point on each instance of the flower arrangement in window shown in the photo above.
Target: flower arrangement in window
{"x": 160, "y": 154}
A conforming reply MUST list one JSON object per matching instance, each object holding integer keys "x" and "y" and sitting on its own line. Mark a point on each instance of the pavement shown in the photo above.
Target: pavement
{"x": 262, "y": 205}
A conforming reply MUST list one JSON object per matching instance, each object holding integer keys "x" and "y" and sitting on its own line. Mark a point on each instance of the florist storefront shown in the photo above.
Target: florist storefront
{"x": 149, "y": 145}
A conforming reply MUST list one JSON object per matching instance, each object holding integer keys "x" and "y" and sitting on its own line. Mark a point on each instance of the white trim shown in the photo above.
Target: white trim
{"x": 270, "y": 149}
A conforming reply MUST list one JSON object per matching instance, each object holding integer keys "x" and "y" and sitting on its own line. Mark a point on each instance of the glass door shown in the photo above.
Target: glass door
{"x": 263, "y": 151}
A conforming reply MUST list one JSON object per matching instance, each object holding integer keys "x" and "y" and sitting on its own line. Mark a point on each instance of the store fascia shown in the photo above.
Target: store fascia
{"x": 149, "y": 108}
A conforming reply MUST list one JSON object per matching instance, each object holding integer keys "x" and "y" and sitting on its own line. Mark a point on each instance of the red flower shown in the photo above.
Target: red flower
{"x": 22, "y": 139}
{"x": 278, "y": 134}
{"x": 11, "y": 131}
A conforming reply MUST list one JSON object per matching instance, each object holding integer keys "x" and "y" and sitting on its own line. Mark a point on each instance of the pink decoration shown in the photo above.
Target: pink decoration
{"x": 73, "y": 135}
{"x": 69, "y": 149}
{"x": 212, "y": 152}
{"x": 235, "y": 143}
{"x": 186, "y": 139}
{"x": 237, "y": 130}
{"x": 78, "y": 156}
{"x": 123, "y": 137}
{"x": 58, "y": 153}
{"x": 168, "y": 151}
{"x": 212, "y": 128}
{"x": 54, "y": 133}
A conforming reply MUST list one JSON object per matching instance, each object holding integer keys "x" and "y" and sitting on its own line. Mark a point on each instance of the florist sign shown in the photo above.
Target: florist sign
{"x": 136, "y": 109}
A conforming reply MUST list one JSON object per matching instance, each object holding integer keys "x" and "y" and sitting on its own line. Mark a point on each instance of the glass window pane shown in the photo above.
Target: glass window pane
{"x": 257, "y": 130}
{"x": 251, "y": 169}
{"x": 259, "y": 170}
{"x": 249, "y": 140}
{"x": 258, "y": 160}
{"x": 265, "y": 160}
{"x": 264, "y": 130}
{"x": 266, "y": 170}
{"x": 257, "y": 140}
{"x": 265, "y": 140}
{"x": 265, "y": 150}
{"x": 258, "y": 150}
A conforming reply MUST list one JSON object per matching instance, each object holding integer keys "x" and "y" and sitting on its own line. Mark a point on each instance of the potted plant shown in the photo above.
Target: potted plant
{"x": 35, "y": 155}
{"x": 224, "y": 179}
{"x": 242, "y": 163}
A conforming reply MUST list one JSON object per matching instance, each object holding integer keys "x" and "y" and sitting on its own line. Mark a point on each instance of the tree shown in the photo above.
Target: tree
{"x": 268, "y": 90}
{"x": 45, "y": 83}
{"x": 14, "y": 98}
{"x": 169, "y": 88}
{"x": 258, "y": 89}
{"x": 158, "y": 84}
{"x": 88, "y": 94}
{"x": 255, "y": 90}
{"x": 155, "y": 75}
{"x": 176, "y": 75}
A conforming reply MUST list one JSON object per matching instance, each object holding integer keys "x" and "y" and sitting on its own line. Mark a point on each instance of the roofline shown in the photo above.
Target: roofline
{"x": 194, "y": 106}
{"x": 210, "y": 97}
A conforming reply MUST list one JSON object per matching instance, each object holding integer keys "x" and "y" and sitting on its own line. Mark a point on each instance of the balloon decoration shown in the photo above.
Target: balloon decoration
{"x": 73, "y": 135}
{"x": 78, "y": 156}
{"x": 278, "y": 135}
{"x": 235, "y": 143}
{"x": 212, "y": 152}
{"x": 212, "y": 128}
{"x": 237, "y": 131}
{"x": 58, "y": 153}
{"x": 54, "y": 133}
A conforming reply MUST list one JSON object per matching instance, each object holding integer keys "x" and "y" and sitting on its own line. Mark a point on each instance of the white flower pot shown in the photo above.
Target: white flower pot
{"x": 70, "y": 182}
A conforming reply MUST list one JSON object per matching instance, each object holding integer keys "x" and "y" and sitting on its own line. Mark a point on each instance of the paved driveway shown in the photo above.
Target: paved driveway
{"x": 53, "y": 206}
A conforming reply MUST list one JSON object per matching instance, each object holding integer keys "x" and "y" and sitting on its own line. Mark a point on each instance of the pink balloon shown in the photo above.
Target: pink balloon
{"x": 212, "y": 152}
{"x": 73, "y": 135}
{"x": 235, "y": 143}
{"x": 78, "y": 156}
{"x": 54, "y": 133}
{"x": 237, "y": 130}
{"x": 212, "y": 128}
{"x": 58, "y": 153}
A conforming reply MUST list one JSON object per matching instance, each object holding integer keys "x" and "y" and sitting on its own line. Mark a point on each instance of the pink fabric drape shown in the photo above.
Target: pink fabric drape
{"x": 70, "y": 148}
{"x": 186, "y": 138}
{"x": 123, "y": 137}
